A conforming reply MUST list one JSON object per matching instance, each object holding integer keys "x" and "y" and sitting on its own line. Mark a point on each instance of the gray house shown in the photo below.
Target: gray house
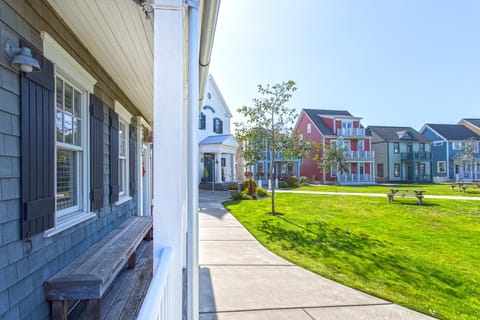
{"x": 401, "y": 154}
{"x": 79, "y": 92}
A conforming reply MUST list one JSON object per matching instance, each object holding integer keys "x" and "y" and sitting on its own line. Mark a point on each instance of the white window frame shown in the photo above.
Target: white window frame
{"x": 361, "y": 143}
{"x": 347, "y": 124}
{"x": 444, "y": 166}
{"x": 67, "y": 68}
{"x": 124, "y": 117}
{"x": 457, "y": 145}
{"x": 309, "y": 128}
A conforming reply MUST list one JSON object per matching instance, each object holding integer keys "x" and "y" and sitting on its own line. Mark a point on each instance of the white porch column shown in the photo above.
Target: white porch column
{"x": 218, "y": 167}
{"x": 234, "y": 168}
{"x": 170, "y": 139}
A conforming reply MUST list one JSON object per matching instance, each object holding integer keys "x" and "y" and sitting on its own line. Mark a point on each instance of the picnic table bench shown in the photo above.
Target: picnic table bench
{"x": 462, "y": 186}
{"x": 406, "y": 193}
{"x": 90, "y": 275}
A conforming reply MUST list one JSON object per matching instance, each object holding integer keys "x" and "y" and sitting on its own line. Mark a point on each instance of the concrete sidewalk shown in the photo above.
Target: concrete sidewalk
{"x": 241, "y": 280}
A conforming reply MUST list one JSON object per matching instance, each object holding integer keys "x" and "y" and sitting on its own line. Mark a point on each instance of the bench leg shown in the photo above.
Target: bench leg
{"x": 390, "y": 199}
{"x": 93, "y": 309}
{"x": 59, "y": 310}
{"x": 149, "y": 235}
{"x": 132, "y": 260}
{"x": 419, "y": 201}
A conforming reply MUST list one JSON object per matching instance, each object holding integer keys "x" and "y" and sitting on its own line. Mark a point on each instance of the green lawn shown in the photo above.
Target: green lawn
{"x": 423, "y": 257}
{"x": 431, "y": 189}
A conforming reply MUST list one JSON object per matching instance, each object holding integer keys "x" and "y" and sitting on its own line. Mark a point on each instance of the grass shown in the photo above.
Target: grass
{"x": 422, "y": 257}
{"x": 431, "y": 189}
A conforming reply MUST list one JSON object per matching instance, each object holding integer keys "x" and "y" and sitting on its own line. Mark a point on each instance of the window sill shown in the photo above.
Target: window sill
{"x": 68, "y": 221}
{"x": 122, "y": 200}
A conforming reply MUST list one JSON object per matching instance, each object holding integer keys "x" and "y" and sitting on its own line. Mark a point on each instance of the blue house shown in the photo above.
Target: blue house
{"x": 448, "y": 140}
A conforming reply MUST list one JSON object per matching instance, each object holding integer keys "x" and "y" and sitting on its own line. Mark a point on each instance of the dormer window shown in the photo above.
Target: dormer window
{"x": 347, "y": 124}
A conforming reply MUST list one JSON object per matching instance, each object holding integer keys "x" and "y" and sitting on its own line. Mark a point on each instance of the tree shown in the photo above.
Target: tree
{"x": 269, "y": 126}
{"x": 466, "y": 156}
{"x": 331, "y": 157}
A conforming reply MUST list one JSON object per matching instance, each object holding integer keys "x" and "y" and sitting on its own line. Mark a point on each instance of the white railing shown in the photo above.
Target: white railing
{"x": 157, "y": 304}
{"x": 357, "y": 155}
{"x": 351, "y": 132}
{"x": 355, "y": 177}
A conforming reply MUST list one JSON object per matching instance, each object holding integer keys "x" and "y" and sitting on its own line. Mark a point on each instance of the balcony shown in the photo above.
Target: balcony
{"x": 416, "y": 156}
{"x": 351, "y": 132}
{"x": 360, "y": 155}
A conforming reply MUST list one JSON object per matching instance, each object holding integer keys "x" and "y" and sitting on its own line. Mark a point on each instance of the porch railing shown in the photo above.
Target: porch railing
{"x": 355, "y": 177}
{"x": 360, "y": 155}
{"x": 157, "y": 303}
{"x": 351, "y": 132}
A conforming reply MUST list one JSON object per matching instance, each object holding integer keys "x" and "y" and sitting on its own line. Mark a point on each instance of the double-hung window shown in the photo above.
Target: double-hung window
{"x": 124, "y": 118}
{"x": 70, "y": 147}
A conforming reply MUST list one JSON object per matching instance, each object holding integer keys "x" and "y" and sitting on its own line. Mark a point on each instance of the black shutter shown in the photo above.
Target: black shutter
{"x": 96, "y": 153}
{"x": 131, "y": 158}
{"x": 114, "y": 188}
{"x": 37, "y": 148}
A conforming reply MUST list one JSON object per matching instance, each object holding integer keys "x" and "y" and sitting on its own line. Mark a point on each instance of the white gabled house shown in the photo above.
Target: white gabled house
{"x": 218, "y": 146}
{"x": 106, "y": 129}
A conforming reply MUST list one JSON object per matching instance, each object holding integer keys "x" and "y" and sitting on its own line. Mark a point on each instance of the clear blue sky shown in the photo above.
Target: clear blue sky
{"x": 392, "y": 62}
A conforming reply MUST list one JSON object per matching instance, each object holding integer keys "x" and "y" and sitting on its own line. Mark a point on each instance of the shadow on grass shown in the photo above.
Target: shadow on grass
{"x": 358, "y": 259}
{"x": 415, "y": 204}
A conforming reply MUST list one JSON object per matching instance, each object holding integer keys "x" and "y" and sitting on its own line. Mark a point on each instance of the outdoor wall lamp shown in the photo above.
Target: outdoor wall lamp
{"x": 21, "y": 58}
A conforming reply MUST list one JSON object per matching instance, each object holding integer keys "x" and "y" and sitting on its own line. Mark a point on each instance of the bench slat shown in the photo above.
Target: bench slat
{"x": 90, "y": 274}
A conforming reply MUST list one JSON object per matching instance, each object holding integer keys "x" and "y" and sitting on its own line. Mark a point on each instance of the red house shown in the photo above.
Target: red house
{"x": 340, "y": 127}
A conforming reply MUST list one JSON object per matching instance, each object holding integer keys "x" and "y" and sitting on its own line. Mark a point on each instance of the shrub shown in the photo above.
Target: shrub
{"x": 244, "y": 185}
{"x": 292, "y": 181}
{"x": 282, "y": 184}
{"x": 232, "y": 187}
{"x": 261, "y": 192}
{"x": 304, "y": 180}
{"x": 237, "y": 196}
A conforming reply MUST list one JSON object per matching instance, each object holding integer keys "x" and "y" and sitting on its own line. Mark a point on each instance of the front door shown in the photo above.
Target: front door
{"x": 409, "y": 173}
{"x": 208, "y": 168}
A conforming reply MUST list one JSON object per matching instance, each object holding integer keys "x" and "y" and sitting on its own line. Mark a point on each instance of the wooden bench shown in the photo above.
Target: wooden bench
{"x": 90, "y": 275}
{"x": 406, "y": 193}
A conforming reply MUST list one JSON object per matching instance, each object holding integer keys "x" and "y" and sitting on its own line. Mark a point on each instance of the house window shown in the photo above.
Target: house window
{"x": 70, "y": 126}
{"x": 421, "y": 169}
{"x": 409, "y": 147}
{"x": 457, "y": 145}
{"x": 438, "y": 143}
{"x": 361, "y": 145}
{"x": 333, "y": 172}
{"x": 123, "y": 152}
{"x": 202, "y": 121}
{"x": 361, "y": 168}
{"x": 347, "y": 124}
{"x": 396, "y": 170}
{"x": 441, "y": 166}
{"x": 217, "y": 126}
{"x": 379, "y": 169}
{"x": 396, "y": 148}
{"x": 421, "y": 147}
{"x": 309, "y": 128}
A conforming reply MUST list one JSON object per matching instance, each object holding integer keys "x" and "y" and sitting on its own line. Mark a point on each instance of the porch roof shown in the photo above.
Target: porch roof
{"x": 224, "y": 139}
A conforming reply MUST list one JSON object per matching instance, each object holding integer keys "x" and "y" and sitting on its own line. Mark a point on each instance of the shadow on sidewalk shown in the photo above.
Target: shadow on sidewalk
{"x": 207, "y": 307}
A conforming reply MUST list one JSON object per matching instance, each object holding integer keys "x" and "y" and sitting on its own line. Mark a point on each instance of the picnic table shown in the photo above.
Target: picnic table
{"x": 462, "y": 186}
{"x": 406, "y": 193}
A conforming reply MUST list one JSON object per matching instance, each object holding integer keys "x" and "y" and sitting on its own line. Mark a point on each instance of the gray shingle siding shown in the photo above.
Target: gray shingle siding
{"x": 24, "y": 271}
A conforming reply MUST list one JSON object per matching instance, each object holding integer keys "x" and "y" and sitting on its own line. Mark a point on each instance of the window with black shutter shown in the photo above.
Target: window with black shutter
{"x": 217, "y": 125}
{"x": 114, "y": 134}
{"x": 96, "y": 153}
{"x": 37, "y": 148}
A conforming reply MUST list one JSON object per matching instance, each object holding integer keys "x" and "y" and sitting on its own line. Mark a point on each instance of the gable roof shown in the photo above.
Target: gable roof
{"x": 398, "y": 134}
{"x": 475, "y": 122}
{"x": 314, "y": 115}
{"x": 453, "y": 131}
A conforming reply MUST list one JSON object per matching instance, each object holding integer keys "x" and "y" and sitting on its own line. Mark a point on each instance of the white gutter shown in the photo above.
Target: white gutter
{"x": 209, "y": 10}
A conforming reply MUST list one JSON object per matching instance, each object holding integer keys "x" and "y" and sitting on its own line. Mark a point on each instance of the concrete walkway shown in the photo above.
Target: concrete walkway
{"x": 241, "y": 280}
